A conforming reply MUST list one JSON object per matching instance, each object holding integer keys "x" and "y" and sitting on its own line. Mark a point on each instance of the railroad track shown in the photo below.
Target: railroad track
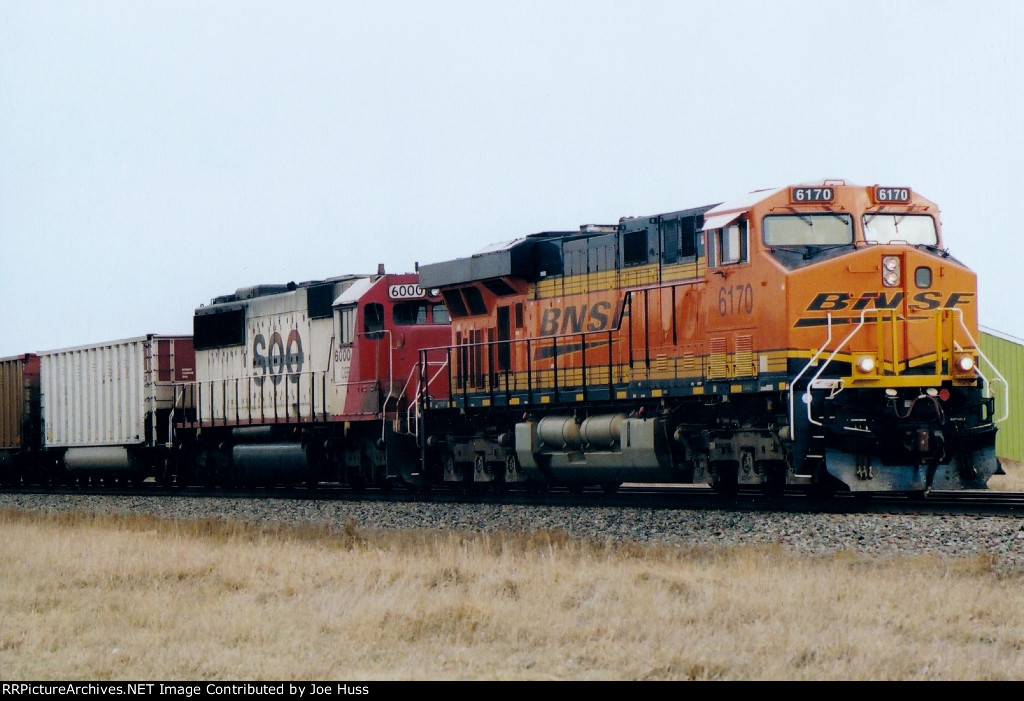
{"x": 658, "y": 497}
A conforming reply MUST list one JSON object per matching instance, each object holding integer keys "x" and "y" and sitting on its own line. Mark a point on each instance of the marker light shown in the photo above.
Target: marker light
{"x": 890, "y": 271}
{"x": 865, "y": 364}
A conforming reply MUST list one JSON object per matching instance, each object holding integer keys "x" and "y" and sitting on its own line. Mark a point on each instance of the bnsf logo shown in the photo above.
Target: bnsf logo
{"x": 576, "y": 318}
{"x": 277, "y": 357}
{"x": 834, "y": 301}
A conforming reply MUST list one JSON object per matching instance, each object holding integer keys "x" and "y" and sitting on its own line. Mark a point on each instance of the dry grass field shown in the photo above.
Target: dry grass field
{"x": 90, "y": 597}
{"x": 1012, "y": 481}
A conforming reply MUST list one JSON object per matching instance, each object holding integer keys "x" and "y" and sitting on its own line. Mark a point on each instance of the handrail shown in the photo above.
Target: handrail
{"x": 828, "y": 361}
{"x": 391, "y": 375}
{"x": 811, "y": 362}
{"x": 412, "y": 411}
{"x": 988, "y": 388}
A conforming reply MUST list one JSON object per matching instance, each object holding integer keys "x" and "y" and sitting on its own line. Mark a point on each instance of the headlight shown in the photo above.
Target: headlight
{"x": 891, "y": 271}
{"x": 964, "y": 363}
{"x": 865, "y": 364}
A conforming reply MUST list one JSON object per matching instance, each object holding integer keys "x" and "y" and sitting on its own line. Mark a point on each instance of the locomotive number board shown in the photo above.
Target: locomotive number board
{"x": 812, "y": 194}
{"x": 899, "y": 195}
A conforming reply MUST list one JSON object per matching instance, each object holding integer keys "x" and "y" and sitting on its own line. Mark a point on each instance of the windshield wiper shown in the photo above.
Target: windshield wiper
{"x": 808, "y": 251}
{"x": 944, "y": 252}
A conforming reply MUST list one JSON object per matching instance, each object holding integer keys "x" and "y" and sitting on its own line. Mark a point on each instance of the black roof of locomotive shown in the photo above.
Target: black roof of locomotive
{"x": 534, "y": 256}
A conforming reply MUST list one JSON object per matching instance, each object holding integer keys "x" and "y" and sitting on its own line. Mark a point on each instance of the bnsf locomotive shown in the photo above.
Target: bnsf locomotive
{"x": 815, "y": 336}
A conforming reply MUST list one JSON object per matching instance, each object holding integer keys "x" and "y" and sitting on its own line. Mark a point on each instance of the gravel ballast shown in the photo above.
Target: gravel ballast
{"x": 824, "y": 533}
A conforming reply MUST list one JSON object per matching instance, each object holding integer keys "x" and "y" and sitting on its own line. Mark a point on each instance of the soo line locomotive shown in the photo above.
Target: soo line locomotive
{"x": 813, "y": 336}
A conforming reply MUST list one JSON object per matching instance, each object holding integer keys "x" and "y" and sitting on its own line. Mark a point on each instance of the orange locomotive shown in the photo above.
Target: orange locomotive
{"x": 815, "y": 335}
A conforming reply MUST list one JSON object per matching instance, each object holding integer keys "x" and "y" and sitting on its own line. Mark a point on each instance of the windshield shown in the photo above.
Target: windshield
{"x": 808, "y": 229}
{"x": 903, "y": 228}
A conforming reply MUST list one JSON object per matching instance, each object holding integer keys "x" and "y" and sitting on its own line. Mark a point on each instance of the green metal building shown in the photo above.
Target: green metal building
{"x": 1006, "y": 353}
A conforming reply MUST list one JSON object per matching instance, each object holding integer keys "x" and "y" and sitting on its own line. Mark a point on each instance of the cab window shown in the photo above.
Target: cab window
{"x": 373, "y": 320}
{"x": 832, "y": 229}
{"x": 733, "y": 243}
{"x": 407, "y": 313}
{"x": 728, "y": 245}
{"x": 900, "y": 228}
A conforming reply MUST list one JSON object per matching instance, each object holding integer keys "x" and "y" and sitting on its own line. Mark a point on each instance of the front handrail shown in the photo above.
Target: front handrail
{"x": 828, "y": 361}
{"x": 810, "y": 363}
{"x": 987, "y": 385}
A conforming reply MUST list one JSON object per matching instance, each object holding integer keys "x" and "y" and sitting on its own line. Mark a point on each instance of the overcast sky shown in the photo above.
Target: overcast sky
{"x": 154, "y": 155}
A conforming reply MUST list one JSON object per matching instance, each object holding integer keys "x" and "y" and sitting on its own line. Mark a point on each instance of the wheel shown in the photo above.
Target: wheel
{"x": 511, "y": 468}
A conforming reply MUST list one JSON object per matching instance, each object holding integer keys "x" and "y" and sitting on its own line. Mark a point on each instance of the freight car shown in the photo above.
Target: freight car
{"x": 20, "y": 435}
{"x": 94, "y": 413}
{"x": 818, "y": 336}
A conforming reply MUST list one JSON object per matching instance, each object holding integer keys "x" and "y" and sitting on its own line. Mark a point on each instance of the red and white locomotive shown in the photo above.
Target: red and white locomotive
{"x": 305, "y": 383}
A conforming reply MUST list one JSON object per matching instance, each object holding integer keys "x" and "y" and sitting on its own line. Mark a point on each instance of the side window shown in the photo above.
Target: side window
{"x": 731, "y": 243}
{"x": 346, "y": 325}
{"x": 373, "y": 320}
